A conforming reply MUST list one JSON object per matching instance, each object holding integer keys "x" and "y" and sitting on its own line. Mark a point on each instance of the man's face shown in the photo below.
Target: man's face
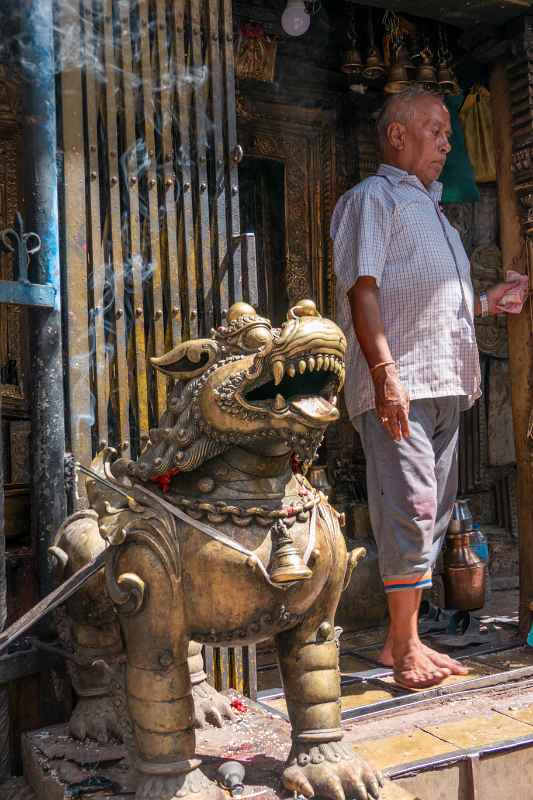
{"x": 423, "y": 143}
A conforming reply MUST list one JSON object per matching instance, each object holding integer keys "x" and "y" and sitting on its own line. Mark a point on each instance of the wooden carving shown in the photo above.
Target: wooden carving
{"x": 306, "y": 147}
{"x": 12, "y": 318}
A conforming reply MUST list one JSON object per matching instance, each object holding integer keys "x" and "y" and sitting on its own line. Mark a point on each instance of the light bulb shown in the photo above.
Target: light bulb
{"x": 295, "y": 20}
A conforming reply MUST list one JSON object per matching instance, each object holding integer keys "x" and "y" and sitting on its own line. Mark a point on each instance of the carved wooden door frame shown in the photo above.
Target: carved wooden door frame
{"x": 304, "y": 141}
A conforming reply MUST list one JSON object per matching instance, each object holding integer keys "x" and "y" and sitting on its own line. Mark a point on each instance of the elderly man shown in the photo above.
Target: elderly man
{"x": 406, "y": 304}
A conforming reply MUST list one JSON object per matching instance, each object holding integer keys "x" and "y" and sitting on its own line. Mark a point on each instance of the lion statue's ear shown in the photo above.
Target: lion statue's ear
{"x": 188, "y": 359}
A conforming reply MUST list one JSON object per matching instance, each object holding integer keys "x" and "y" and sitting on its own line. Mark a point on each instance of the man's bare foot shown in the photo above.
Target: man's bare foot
{"x": 414, "y": 669}
{"x": 438, "y": 659}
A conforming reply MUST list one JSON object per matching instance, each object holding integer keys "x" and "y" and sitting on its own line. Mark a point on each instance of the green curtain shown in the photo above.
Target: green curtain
{"x": 457, "y": 176}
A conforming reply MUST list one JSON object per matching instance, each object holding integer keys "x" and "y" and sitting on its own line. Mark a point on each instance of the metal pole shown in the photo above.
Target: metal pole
{"x": 41, "y": 208}
{"x": 4, "y": 696}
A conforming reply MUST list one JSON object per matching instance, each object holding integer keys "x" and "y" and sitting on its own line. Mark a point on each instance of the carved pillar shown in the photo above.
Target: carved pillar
{"x": 513, "y": 131}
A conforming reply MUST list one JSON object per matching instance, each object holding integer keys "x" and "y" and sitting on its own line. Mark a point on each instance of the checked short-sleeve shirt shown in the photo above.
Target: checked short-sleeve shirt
{"x": 390, "y": 227}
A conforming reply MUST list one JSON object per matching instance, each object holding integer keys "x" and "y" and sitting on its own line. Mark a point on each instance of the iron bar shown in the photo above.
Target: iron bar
{"x": 116, "y": 255}
{"x": 27, "y": 294}
{"x": 152, "y": 238}
{"x": 219, "y": 199}
{"x": 168, "y": 172}
{"x": 4, "y": 695}
{"x": 130, "y": 160}
{"x": 95, "y": 250}
{"x": 201, "y": 89}
{"x": 184, "y": 171}
{"x": 232, "y": 207}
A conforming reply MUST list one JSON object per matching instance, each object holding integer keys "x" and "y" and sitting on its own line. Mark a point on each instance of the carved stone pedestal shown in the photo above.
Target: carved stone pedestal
{"x": 55, "y": 765}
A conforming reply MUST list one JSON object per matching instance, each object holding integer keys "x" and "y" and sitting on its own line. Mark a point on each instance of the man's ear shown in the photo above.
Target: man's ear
{"x": 396, "y": 135}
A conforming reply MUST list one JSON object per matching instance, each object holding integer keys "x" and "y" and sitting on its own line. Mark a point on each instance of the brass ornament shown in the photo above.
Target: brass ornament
{"x": 403, "y": 58}
{"x": 445, "y": 79}
{"x": 398, "y": 79}
{"x": 425, "y": 73}
{"x": 352, "y": 63}
{"x": 374, "y": 67}
{"x": 286, "y": 565}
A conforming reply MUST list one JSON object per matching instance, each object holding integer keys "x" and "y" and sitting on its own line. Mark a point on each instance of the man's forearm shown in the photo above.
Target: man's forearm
{"x": 368, "y": 323}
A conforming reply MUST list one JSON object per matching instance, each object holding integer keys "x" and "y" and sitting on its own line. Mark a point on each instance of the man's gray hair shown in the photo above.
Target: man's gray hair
{"x": 401, "y": 107}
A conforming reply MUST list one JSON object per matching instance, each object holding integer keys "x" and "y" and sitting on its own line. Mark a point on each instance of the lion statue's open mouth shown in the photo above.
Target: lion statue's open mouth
{"x": 306, "y": 387}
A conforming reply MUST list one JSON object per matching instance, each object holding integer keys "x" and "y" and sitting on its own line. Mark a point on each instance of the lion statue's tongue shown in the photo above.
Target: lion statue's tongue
{"x": 316, "y": 408}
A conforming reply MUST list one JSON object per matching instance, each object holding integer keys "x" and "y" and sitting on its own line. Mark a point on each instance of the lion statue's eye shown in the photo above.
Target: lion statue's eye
{"x": 256, "y": 338}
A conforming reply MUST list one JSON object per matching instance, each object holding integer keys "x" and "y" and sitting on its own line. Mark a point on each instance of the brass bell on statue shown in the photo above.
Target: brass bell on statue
{"x": 374, "y": 67}
{"x": 425, "y": 73}
{"x": 353, "y": 63}
{"x": 286, "y": 564}
{"x": 398, "y": 80}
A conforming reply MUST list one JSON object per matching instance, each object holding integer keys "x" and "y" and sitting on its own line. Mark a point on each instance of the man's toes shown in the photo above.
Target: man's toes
{"x": 444, "y": 672}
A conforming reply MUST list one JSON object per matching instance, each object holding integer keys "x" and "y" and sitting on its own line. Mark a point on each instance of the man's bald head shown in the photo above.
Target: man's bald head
{"x": 402, "y": 108}
{"x": 413, "y": 131}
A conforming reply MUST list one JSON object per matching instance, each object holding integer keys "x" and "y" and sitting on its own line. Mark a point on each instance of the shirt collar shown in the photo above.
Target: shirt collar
{"x": 396, "y": 175}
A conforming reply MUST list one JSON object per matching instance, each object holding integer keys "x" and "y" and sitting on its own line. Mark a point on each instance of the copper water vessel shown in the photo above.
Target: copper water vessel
{"x": 464, "y": 572}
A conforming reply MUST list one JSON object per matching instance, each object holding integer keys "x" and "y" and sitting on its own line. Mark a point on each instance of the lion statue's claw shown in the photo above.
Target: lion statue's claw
{"x": 190, "y": 786}
{"x": 330, "y": 771}
{"x": 95, "y": 718}
{"x": 210, "y": 706}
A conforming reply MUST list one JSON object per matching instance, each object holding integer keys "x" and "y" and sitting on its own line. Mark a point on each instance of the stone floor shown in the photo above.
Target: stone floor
{"x": 395, "y": 739}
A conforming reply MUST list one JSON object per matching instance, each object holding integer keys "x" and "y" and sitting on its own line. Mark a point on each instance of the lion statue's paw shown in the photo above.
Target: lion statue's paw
{"x": 330, "y": 771}
{"x": 210, "y": 706}
{"x": 95, "y": 718}
{"x": 193, "y": 785}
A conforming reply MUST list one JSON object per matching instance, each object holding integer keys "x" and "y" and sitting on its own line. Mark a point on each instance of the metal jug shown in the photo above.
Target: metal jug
{"x": 464, "y": 572}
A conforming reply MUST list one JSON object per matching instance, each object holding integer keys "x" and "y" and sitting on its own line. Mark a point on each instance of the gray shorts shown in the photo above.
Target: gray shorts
{"x": 412, "y": 485}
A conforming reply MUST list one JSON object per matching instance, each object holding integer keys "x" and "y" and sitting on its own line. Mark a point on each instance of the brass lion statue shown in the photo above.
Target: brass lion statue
{"x": 210, "y": 536}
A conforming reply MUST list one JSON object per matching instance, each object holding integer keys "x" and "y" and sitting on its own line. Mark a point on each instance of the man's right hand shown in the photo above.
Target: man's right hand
{"x": 392, "y": 401}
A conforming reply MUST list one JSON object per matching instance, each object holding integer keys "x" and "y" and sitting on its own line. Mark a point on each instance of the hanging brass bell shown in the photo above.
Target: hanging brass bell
{"x": 353, "y": 63}
{"x": 398, "y": 80}
{"x": 286, "y": 563}
{"x": 444, "y": 78}
{"x": 403, "y": 58}
{"x": 374, "y": 67}
{"x": 447, "y": 81}
{"x": 425, "y": 73}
